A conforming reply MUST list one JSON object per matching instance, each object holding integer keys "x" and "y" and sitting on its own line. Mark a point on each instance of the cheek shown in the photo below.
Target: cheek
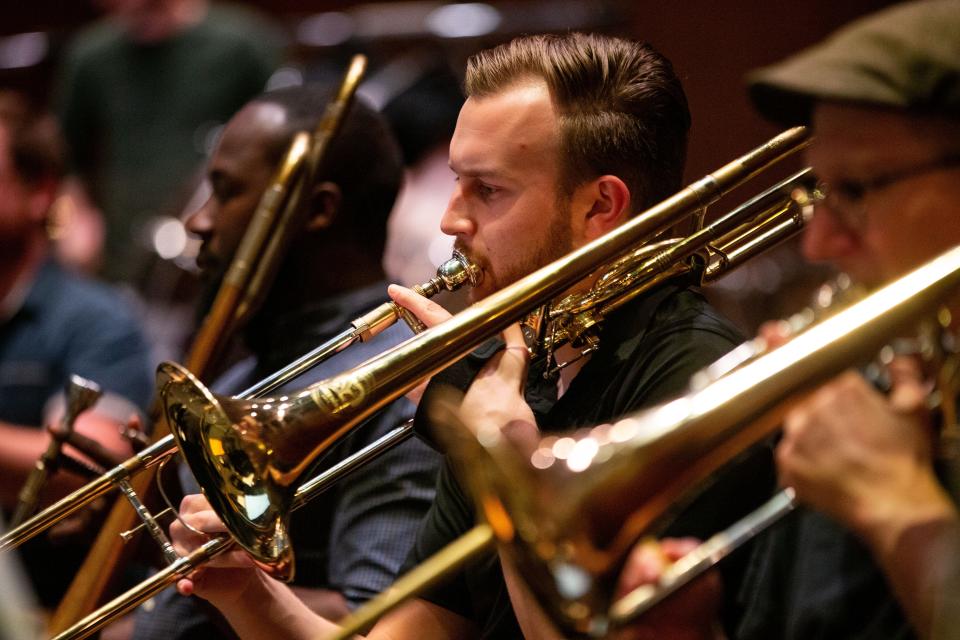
{"x": 233, "y": 222}
{"x": 914, "y": 233}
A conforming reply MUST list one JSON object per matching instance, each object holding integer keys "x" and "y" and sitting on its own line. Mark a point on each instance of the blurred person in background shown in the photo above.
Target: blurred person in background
{"x": 141, "y": 95}
{"x": 53, "y": 324}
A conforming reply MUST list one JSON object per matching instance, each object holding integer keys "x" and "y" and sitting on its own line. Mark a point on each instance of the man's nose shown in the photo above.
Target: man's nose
{"x": 825, "y": 238}
{"x": 200, "y": 222}
{"x": 456, "y": 220}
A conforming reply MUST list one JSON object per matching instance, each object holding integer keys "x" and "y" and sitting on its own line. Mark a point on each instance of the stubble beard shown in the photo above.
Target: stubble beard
{"x": 557, "y": 242}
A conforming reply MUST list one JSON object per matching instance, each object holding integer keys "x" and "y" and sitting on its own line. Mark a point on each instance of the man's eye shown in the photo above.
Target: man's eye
{"x": 485, "y": 190}
{"x": 224, "y": 192}
{"x": 850, "y": 191}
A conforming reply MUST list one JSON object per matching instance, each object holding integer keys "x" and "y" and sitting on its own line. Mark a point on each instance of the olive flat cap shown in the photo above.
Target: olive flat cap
{"x": 904, "y": 57}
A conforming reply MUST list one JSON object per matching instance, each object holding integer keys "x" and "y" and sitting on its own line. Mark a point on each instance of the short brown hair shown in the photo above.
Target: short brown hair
{"x": 622, "y": 108}
{"x": 36, "y": 148}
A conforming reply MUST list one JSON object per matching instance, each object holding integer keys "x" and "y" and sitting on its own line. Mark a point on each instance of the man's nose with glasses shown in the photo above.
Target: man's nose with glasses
{"x": 847, "y": 199}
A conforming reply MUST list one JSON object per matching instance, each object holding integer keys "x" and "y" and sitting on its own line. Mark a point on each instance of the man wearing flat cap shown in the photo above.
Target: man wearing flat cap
{"x": 876, "y": 552}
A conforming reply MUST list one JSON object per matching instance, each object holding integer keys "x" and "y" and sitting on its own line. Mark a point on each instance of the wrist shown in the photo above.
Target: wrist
{"x": 886, "y": 517}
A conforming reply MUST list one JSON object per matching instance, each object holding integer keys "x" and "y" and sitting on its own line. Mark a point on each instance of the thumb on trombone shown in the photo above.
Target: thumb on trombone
{"x": 503, "y": 377}
{"x": 427, "y": 311}
{"x": 225, "y": 577}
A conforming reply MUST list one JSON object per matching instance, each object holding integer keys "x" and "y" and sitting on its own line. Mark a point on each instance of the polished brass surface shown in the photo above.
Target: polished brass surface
{"x": 81, "y": 395}
{"x": 250, "y": 272}
{"x": 451, "y": 275}
{"x": 247, "y": 456}
{"x": 568, "y": 512}
{"x": 467, "y": 547}
{"x": 166, "y": 577}
{"x": 705, "y": 255}
{"x": 228, "y": 442}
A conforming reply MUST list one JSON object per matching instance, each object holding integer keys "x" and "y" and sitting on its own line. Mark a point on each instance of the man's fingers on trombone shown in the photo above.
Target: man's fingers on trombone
{"x": 775, "y": 333}
{"x": 429, "y": 312}
{"x": 908, "y": 389}
{"x": 691, "y": 612}
{"x": 194, "y": 525}
{"x": 185, "y": 586}
{"x": 516, "y": 356}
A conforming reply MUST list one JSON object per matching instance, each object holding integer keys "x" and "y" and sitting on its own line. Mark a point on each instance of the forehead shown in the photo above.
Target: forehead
{"x": 513, "y": 130}
{"x": 247, "y": 139}
{"x": 854, "y": 138}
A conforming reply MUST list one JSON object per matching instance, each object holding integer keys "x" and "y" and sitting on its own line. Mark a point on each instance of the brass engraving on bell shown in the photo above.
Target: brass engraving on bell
{"x": 336, "y": 399}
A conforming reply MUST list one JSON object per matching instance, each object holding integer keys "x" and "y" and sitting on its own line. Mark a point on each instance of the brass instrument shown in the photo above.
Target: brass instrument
{"x": 256, "y": 257}
{"x": 276, "y": 219}
{"x": 707, "y": 254}
{"x": 568, "y": 513}
{"x": 81, "y": 394}
{"x": 248, "y": 455}
{"x": 451, "y": 275}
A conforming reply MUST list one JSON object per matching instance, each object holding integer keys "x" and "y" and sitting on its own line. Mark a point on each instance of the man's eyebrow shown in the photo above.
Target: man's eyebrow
{"x": 478, "y": 171}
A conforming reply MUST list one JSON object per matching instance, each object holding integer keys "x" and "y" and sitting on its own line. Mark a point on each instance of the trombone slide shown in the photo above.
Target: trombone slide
{"x": 703, "y": 558}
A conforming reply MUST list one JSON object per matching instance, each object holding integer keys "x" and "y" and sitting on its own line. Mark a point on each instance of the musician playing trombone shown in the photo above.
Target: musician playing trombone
{"x": 52, "y": 324}
{"x": 883, "y": 97}
{"x": 352, "y": 541}
{"x": 877, "y": 553}
{"x": 561, "y": 140}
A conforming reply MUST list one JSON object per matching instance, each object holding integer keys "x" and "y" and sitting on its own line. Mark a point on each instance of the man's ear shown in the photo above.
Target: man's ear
{"x": 607, "y": 205}
{"x": 324, "y": 206}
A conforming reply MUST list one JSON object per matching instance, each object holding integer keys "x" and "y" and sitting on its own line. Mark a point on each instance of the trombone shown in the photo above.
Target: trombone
{"x": 567, "y": 515}
{"x": 248, "y": 454}
{"x": 451, "y": 275}
{"x": 278, "y": 216}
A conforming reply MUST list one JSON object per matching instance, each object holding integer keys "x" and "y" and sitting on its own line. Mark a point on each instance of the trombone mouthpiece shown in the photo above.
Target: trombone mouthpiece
{"x": 453, "y": 274}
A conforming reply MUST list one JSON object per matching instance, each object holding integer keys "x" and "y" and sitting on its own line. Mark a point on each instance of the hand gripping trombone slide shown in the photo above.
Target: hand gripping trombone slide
{"x": 248, "y": 455}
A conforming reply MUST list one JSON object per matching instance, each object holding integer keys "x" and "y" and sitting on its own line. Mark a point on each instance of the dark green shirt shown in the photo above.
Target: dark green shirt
{"x": 139, "y": 118}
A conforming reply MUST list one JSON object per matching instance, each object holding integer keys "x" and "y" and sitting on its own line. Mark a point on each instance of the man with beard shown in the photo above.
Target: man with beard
{"x": 353, "y": 538}
{"x": 877, "y": 554}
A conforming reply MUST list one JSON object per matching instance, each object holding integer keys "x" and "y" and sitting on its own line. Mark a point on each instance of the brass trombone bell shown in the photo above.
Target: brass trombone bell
{"x": 452, "y": 274}
{"x": 568, "y": 512}
{"x": 232, "y": 444}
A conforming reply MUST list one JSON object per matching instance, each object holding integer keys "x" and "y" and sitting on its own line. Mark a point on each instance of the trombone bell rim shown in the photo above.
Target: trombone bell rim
{"x": 246, "y": 499}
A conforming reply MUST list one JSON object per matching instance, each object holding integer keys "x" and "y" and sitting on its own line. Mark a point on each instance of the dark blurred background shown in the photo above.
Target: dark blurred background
{"x": 712, "y": 45}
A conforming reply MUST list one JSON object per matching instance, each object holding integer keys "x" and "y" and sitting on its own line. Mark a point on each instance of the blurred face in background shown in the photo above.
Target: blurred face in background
{"x": 150, "y": 21}
{"x": 23, "y": 207}
{"x": 893, "y": 190}
{"x": 239, "y": 172}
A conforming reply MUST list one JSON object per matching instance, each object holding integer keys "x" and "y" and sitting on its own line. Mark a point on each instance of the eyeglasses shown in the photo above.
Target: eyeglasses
{"x": 847, "y": 199}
